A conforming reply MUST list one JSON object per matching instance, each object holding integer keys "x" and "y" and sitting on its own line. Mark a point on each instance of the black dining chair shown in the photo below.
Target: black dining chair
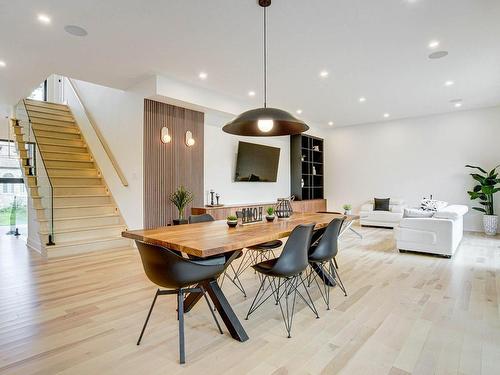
{"x": 255, "y": 254}
{"x": 284, "y": 276}
{"x": 235, "y": 278}
{"x": 321, "y": 255}
{"x": 168, "y": 269}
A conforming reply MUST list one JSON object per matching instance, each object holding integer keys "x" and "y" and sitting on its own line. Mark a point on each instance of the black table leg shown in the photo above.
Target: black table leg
{"x": 329, "y": 280}
{"x": 225, "y": 311}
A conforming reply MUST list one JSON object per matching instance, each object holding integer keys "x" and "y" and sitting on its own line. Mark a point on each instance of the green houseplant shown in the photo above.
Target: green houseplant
{"x": 484, "y": 190}
{"x": 347, "y": 209}
{"x": 270, "y": 214}
{"x": 180, "y": 199}
{"x": 232, "y": 221}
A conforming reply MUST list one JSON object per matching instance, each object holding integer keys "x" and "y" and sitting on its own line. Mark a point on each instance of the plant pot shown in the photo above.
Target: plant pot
{"x": 490, "y": 224}
{"x": 270, "y": 218}
{"x": 179, "y": 221}
{"x": 232, "y": 223}
{"x": 347, "y": 212}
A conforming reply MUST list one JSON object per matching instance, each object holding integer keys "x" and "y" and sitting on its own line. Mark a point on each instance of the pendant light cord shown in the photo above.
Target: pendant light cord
{"x": 265, "y": 58}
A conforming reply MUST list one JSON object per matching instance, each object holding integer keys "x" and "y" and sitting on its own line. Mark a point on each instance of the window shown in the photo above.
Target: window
{"x": 40, "y": 93}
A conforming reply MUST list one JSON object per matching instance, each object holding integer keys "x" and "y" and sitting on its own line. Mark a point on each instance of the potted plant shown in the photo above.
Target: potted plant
{"x": 484, "y": 191}
{"x": 181, "y": 198}
{"x": 347, "y": 209}
{"x": 270, "y": 214}
{"x": 232, "y": 221}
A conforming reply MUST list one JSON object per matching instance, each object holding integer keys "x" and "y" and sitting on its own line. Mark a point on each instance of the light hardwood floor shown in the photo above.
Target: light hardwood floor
{"x": 404, "y": 314}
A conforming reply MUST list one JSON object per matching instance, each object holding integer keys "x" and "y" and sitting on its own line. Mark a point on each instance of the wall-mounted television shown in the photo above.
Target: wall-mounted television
{"x": 256, "y": 163}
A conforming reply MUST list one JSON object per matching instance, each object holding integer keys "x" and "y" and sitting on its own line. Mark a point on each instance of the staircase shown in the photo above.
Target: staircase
{"x": 74, "y": 208}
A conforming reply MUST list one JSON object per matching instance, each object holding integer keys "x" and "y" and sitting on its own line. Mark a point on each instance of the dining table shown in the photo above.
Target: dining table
{"x": 214, "y": 238}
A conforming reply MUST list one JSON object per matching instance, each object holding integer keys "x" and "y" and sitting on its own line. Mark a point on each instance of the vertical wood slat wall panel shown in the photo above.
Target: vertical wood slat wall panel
{"x": 167, "y": 166}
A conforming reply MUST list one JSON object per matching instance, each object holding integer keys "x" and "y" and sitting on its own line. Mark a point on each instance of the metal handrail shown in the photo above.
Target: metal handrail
{"x": 97, "y": 131}
{"x": 30, "y": 130}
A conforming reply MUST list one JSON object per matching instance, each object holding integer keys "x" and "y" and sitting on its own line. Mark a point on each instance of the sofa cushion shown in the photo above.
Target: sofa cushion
{"x": 394, "y": 201}
{"x": 452, "y": 212}
{"x": 381, "y": 204}
{"x": 416, "y": 212}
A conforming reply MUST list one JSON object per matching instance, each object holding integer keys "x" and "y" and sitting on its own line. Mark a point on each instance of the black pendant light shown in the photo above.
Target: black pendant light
{"x": 265, "y": 122}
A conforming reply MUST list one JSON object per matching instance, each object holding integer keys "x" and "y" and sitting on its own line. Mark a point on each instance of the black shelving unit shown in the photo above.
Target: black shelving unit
{"x": 307, "y": 172}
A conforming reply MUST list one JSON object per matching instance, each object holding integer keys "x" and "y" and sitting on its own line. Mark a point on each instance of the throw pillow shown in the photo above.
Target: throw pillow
{"x": 381, "y": 204}
{"x": 432, "y": 205}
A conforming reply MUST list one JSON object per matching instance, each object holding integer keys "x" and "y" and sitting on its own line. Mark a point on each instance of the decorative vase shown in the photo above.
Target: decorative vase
{"x": 490, "y": 223}
{"x": 270, "y": 217}
{"x": 179, "y": 221}
{"x": 347, "y": 212}
{"x": 232, "y": 223}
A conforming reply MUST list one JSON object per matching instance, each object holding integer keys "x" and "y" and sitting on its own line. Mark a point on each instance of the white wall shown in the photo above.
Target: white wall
{"x": 119, "y": 115}
{"x": 220, "y": 161}
{"x": 4, "y": 128}
{"x": 413, "y": 158}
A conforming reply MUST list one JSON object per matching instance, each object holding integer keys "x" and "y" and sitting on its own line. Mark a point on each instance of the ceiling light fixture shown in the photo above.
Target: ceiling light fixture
{"x": 438, "y": 55}
{"x": 458, "y": 104}
{"x": 449, "y": 83}
{"x": 433, "y": 44}
{"x": 330, "y": 123}
{"x": 75, "y": 30}
{"x": 43, "y": 18}
{"x": 251, "y": 93}
{"x": 2, "y": 64}
{"x": 299, "y": 111}
{"x": 386, "y": 115}
{"x": 203, "y": 75}
{"x": 324, "y": 74}
{"x": 265, "y": 121}
{"x": 362, "y": 99}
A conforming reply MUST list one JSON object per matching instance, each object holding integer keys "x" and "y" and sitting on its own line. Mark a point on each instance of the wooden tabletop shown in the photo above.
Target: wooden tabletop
{"x": 212, "y": 238}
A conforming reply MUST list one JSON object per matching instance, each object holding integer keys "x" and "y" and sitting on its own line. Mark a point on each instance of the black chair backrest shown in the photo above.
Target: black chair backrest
{"x": 167, "y": 269}
{"x": 293, "y": 258}
{"x": 327, "y": 247}
{"x": 203, "y": 218}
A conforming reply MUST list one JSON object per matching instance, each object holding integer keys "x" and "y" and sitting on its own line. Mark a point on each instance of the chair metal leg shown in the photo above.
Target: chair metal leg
{"x": 337, "y": 277}
{"x": 310, "y": 304}
{"x": 288, "y": 310}
{"x": 260, "y": 297}
{"x": 147, "y": 318}
{"x": 335, "y": 262}
{"x": 182, "y": 354}
{"x": 211, "y": 309}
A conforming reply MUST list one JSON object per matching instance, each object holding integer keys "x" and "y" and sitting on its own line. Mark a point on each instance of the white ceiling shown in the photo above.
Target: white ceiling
{"x": 372, "y": 48}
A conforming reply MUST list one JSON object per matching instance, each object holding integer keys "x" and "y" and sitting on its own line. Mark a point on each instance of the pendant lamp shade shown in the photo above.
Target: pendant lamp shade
{"x": 265, "y": 122}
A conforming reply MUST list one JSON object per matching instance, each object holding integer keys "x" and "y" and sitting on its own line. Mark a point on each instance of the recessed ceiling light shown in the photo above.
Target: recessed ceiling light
{"x": 251, "y": 93}
{"x": 449, "y": 83}
{"x": 330, "y": 123}
{"x": 323, "y": 74}
{"x": 203, "y": 75}
{"x": 299, "y": 111}
{"x": 458, "y": 104}
{"x": 433, "y": 44}
{"x": 438, "y": 54}
{"x": 75, "y": 30}
{"x": 2, "y": 64}
{"x": 43, "y": 18}
{"x": 362, "y": 99}
{"x": 386, "y": 115}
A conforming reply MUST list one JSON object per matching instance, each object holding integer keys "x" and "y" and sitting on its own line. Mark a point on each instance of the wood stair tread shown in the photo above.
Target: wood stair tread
{"x": 84, "y": 217}
{"x": 86, "y": 229}
{"x": 69, "y": 152}
{"x": 45, "y": 104}
{"x": 69, "y": 161}
{"x": 55, "y": 136}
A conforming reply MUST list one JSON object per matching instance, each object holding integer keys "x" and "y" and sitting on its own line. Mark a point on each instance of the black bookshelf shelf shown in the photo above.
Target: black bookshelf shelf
{"x": 307, "y": 174}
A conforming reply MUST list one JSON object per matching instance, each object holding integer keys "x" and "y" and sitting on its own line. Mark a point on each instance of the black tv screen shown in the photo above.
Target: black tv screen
{"x": 257, "y": 163}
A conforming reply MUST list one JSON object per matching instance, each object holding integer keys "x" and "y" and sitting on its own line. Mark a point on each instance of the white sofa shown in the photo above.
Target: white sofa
{"x": 440, "y": 234}
{"x": 386, "y": 219}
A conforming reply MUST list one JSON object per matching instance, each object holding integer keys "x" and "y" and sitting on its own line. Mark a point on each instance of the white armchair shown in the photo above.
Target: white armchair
{"x": 440, "y": 234}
